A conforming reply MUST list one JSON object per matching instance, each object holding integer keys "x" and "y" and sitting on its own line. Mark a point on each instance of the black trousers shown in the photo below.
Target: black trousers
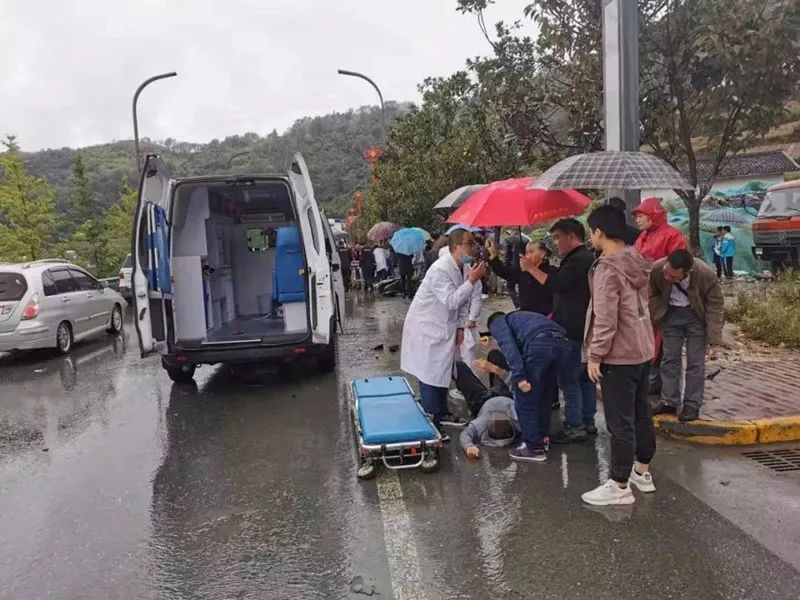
{"x": 728, "y": 266}
{"x": 407, "y": 284}
{"x": 475, "y": 393}
{"x": 718, "y": 264}
{"x": 629, "y": 417}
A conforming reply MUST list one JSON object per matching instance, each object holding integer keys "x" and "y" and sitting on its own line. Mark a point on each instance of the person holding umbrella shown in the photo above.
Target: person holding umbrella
{"x": 406, "y": 243}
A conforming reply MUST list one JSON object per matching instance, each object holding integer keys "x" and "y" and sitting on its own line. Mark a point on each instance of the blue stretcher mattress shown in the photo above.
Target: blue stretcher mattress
{"x": 388, "y": 412}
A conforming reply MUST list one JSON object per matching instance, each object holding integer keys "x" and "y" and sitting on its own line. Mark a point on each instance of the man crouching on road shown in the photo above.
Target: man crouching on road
{"x": 434, "y": 323}
{"x": 686, "y": 304}
{"x": 534, "y": 347}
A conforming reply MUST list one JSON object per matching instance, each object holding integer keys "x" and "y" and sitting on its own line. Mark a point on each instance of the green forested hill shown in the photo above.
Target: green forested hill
{"x": 331, "y": 144}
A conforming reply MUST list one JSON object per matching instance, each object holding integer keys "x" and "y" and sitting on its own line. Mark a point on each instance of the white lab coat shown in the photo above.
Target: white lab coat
{"x": 381, "y": 259}
{"x": 468, "y": 351}
{"x": 476, "y": 300}
{"x": 440, "y": 306}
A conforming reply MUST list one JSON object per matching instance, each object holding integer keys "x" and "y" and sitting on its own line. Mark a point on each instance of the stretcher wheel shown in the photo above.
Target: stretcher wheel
{"x": 366, "y": 470}
{"x": 431, "y": 463}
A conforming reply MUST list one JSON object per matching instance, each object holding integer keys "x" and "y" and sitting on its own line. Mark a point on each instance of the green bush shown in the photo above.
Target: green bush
{"x": 774, "y": 319}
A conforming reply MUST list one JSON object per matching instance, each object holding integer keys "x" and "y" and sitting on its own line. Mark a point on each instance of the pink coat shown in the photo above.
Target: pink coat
{"x": 618, "y": 327}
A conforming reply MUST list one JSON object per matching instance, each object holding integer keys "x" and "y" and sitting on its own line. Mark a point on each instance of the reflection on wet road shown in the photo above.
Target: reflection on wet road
{"x": 116, "y": 484}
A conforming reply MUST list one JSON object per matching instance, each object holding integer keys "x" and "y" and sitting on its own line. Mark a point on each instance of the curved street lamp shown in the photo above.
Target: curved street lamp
{"x": 136, "y": 119}
{"x": 237, "y": 155}
{"x": 377, "y": 89}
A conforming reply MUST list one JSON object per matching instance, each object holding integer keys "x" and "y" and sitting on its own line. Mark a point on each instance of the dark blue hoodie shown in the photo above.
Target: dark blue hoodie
{"x": 516, "y": 334}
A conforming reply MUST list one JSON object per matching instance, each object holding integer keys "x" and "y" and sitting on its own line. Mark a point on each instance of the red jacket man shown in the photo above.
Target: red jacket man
{"x": 657, "y": 239}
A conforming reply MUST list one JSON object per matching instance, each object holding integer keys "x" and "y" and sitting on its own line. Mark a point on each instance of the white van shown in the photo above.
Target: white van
{"x": 233, "y": 269}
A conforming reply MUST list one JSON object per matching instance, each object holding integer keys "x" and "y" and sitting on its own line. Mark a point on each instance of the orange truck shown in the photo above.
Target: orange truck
{"x": 776, "y": 230}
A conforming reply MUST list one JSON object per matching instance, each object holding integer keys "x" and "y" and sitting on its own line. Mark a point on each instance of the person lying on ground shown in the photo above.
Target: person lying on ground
{"x": 495, "y": 426}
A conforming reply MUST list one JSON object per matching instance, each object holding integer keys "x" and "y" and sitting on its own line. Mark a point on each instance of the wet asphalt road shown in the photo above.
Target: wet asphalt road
{"x": 116, "y": 484}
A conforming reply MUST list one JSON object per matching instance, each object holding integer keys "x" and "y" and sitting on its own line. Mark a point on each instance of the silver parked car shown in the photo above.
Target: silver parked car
{"x": 53, "y": 304}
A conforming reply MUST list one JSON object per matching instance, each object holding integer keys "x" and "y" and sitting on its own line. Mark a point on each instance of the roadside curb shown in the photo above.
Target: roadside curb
{"x": 730, "y": 433}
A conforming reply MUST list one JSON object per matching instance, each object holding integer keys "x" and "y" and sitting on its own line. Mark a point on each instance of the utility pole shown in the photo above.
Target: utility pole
{"x": 621, "y": 82}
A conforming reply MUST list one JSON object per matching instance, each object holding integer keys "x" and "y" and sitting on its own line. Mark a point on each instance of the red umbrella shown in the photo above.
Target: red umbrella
{"x": 510, "y": 202}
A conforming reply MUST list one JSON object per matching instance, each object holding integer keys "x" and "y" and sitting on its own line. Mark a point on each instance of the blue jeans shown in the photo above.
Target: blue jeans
{"x": 434, "y": 401}
{"x": 543, "y": 359}
{"x": 580, "y": 393}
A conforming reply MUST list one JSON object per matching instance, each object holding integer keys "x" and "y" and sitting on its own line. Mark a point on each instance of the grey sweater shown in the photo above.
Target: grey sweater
{"x": 477, "y": 432}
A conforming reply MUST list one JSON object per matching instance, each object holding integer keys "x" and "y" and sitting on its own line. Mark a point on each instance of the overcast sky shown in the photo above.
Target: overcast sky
{"x": 70, "y": 67}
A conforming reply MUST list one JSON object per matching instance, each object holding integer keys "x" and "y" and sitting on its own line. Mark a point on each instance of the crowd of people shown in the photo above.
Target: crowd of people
{"x": 617, "y": 312}
{"x": 379, "y": 262}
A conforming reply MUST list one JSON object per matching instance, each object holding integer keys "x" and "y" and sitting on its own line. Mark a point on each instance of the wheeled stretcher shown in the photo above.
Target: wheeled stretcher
{"x": 391, "y": 427}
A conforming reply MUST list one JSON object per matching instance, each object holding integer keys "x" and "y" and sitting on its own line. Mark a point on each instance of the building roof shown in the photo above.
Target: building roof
{"x": 754, "y": 164}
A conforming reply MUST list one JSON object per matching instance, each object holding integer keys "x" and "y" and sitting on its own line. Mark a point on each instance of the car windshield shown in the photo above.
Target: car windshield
{"x": 781, "y": 203}
{"x": 12, "y": 287}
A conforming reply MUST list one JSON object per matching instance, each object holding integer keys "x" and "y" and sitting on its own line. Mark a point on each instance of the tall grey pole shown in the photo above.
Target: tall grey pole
{"x": 621, "y": 81}
{"x": 377, "y": 89}
{"x": 135, "y": 117}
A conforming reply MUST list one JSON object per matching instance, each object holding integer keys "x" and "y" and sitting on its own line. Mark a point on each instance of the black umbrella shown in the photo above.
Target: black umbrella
{"x": 457, "y": 197}
{"x": 612, "y": 169}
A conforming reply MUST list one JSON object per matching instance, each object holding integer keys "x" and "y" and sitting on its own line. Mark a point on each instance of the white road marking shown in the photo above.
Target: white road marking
{"x": 401, "y": 549}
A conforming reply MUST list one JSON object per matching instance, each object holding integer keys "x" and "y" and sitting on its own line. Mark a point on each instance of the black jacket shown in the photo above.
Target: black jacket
{"x": 533, "y": 296}
{"x": 367, "y": 262}
{"x": 405, "y": 264}
{"x": 570, "y": 288}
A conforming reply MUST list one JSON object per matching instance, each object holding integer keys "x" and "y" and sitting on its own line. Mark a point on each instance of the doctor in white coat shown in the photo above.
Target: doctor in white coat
{"x": 434, "y": 323}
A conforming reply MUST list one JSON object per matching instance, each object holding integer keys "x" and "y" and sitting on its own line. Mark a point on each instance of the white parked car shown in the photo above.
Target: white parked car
{"x": 53, "y": 304}
{"x": 125, "y": 272}
{"x": 233, "y": 269}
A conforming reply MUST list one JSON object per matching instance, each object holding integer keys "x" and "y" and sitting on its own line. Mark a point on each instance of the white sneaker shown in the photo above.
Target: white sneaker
{"x": 608, "y": 494}
{"x": 643, "y": 482}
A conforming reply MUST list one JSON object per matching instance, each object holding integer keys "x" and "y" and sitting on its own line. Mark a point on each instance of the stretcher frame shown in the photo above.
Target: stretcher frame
{"x": 394, "y": 455}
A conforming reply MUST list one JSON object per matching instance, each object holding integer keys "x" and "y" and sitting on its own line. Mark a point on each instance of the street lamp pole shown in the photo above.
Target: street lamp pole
{"x": 621, "y": 80}
{"x": 135, "y": 117}
{"x": 377, "y": 89}
{"x": 235, "y": 156}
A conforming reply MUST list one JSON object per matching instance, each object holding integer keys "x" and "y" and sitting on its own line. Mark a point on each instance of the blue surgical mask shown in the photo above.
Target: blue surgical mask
{"x": 467, "y": 259}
